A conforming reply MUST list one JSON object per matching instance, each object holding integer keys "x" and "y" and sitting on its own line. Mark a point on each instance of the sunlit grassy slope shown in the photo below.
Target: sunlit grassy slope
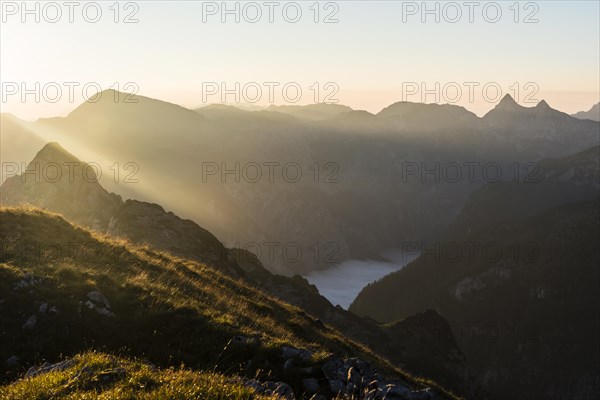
{"x": 94, "y": 375}
{"x": 169, "y": 310}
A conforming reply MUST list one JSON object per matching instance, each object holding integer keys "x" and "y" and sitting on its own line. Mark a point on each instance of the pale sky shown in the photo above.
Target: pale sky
{"x": 371, "y": 55}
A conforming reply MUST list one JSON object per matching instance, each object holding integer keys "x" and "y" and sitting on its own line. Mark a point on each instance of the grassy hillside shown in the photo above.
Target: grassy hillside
{"x": 65, "y": 290}
{"x": 94, "y": 375}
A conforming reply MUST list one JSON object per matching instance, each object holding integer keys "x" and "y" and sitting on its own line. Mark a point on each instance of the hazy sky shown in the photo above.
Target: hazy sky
{"x": 373, "y": 54}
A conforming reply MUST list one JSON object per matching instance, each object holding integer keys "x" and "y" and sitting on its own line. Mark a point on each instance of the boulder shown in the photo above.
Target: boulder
{"x": 311, "y": 385}
{"x": 292, "y": 352}
{"x": 12, "y": 361}
{"x": 30, "y": 323}
{"x": 99, "y": 298}
{"x": 46, "y": 367}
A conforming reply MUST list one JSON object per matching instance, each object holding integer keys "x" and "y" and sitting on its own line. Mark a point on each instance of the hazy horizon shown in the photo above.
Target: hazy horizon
{"x": 368, "y": 53}
{"x": 260, "y": 107}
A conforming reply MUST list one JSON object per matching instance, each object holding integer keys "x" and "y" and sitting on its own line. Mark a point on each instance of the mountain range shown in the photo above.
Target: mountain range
{"x": 516, "y": 275}
{"x": 199, "y": 286}
{"x": 354, "y": 195}
{"x": 592, "y": 114}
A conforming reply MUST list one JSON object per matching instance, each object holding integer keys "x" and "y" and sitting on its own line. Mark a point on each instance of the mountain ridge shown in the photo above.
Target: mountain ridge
{"x": 544, "y": 266}
{"x": 332, "y": 154}
{"x": 148, "y": 224}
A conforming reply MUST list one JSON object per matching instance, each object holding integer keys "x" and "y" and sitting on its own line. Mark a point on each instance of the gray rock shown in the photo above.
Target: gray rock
{"x": 311, "y": 385}
{"x": 337, "y": 387}
{"x": 396, "y": 390}
{"x": 46, "y": 367}
{"x": 43, "y": 308}
{"x": 292, "y": 352}
{"x": 289, "y": 352}
{"x": 12, "y": 361}
{"x": 27, "y": 281}
{"x": 351, "y": 377}
{"x": 99, "y": 298}
{"x": 53, "y": 310}
{"x": 284, "y": 391}
{"x": 104, "y": 312}
{"x": 288, "y": 364}
{"x": 332, "y": 368}
{"x": 424, "y": 394}
{"x": 306, "y": 371}
{"x": 30, "y": 323}
{"x": 373, "y": 394}
{"x": 254, "y": 384}
{"x": 360, "y": 372}
{"x": 20, "y": 285}
{"x": 269, "y": 388}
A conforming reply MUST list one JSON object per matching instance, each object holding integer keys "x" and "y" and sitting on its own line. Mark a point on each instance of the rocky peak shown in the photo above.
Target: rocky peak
{"x": 542, "y": 105}
{"x": 56, "y": 180}
{"x": 507, "y": 104}
{"x": 53, "y": 151}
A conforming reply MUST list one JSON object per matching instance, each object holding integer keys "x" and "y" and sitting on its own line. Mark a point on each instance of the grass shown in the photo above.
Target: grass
{"x": 170, "y": 310}
{"x": 94, "y": 375}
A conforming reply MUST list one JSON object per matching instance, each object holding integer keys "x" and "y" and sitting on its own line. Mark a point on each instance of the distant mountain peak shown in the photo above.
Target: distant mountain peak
{"x": 542, "y": 105}
{"x": 52, "y": 146}
{"x": 53, "y": 152}
{"x": 109, "y": 104}
{"x": 593, "y": 113}
{"x": 507, "y": 104}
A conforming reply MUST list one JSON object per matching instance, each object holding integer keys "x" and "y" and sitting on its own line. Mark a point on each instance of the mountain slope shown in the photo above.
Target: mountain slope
{"x": 593, "y": 113}
{"x": 422, "y": 344}
{"x": 148, "y": 224}
{"x": 352, "y": 192}
{"x": 312, "y": 112}
{"x": 111, "y": 295}
{"x": 58, "y": 181}
{"x": 419, "y": 117}
{"x": 541, "y": 128}
{"x": 547, "y": 184}
{"x": 508, "y": 276}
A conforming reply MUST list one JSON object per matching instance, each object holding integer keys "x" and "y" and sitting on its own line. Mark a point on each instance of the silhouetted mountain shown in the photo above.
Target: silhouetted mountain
{"x": 508, "y": 276}
{"x": 406, "y": 116}
{"x": 145, "y": 224}
{"x": 593, "y": 113}
{"x": 549, "y": 183}
{"x": 540, "y": 127}
{"x": 57, "y": 181}
{"x": 353, "y": 193}
{"x": 313, "y": 112}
